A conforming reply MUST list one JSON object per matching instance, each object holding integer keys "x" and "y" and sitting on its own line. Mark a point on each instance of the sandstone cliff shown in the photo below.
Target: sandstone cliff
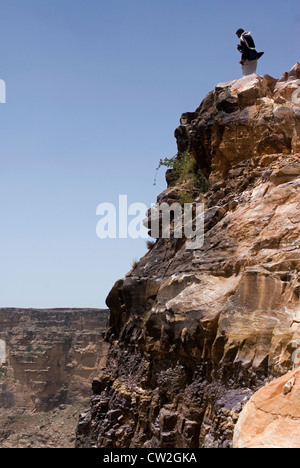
{"x": 193, "y": 333}
{"x": 51, "y": 356}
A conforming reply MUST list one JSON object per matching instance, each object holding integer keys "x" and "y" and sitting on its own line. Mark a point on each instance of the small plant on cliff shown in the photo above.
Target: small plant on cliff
{"x": 184, "y": 170}
{"x": 3, "y": 371}
{"x": 150, "y": 244}
{"x": 185, "y": 198}
{"x": 134, "y": 264}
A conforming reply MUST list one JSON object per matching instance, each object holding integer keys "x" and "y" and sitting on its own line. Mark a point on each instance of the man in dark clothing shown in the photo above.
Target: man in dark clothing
{"x": 249, "y": 54}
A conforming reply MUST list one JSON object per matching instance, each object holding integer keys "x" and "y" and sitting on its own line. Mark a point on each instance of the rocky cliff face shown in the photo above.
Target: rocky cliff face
{"x": 51, "y": 356}
{"x": 193, "y": 333}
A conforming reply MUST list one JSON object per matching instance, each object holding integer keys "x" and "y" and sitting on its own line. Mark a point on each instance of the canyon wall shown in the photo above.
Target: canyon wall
{"x": 194, "y": 333}
{"x": 51, "y": 356}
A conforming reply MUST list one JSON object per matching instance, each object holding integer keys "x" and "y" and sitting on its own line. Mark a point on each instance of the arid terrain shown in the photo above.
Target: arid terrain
{"x": 48, "y": 361}
{"x": 32, "y": 429}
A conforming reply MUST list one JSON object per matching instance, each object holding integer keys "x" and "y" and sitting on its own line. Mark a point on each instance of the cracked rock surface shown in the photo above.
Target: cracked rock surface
{"x": 271, "y": 419}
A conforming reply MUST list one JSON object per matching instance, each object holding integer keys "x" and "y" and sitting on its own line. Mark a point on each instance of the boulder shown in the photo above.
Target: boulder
{"x": 271, "y": 419}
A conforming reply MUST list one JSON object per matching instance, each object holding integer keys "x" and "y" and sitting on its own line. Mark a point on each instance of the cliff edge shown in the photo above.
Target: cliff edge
{"x": 194, "y": 333}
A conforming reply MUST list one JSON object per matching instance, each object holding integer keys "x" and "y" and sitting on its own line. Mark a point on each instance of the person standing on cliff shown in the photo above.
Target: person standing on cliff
{"x": 249, "y": 54}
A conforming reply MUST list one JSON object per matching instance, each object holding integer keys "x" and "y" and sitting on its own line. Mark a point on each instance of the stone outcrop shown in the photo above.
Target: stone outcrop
{"x": 51, "y": 356}
{"x": 271, "y": 419}
{"x": 194, "y": 333}
{"x": 243, "y": 119}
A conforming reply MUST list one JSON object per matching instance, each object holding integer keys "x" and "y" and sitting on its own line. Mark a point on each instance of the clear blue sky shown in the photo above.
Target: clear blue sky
{"x": 95, "y": 90}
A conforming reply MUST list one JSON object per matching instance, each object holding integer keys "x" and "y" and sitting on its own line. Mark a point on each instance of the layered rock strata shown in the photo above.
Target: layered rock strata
{"x": 51, "y": 356}
{"x": 193, "y": 333}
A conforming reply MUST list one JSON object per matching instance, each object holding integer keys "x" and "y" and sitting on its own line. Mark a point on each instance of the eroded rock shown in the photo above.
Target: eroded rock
{"x": 241, "y": 119}
{"x": 271, "y": 419}
{"x": 194, "y": 333}
{"x": 51, "y": 356}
